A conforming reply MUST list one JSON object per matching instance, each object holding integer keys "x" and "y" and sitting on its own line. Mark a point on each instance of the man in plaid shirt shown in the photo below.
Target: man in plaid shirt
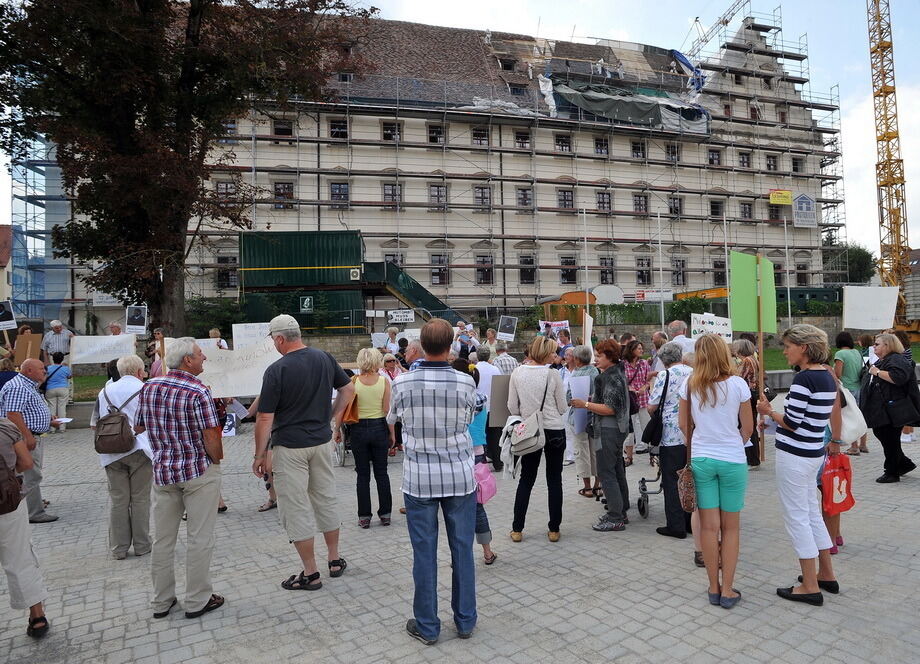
{"x": 506, "y": 363}
{"x": 436, "y": 405}
{"x": 178, "y": 413}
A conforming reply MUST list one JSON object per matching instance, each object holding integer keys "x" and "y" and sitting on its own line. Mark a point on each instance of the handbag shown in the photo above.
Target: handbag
{"x": 486, "y": 486}
{"x": 902, "y": 412}
{"x": 686, "y": 485}
{"x": 654, "y": 430}
{"x": 350, "y": 416}
{"x": 527, "y": 435}
{"x": 853, "y": 424}
{"x": 837, "y": 485}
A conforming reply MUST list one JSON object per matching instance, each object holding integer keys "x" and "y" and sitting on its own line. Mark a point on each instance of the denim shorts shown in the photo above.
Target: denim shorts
{"x": 719, "y": 484}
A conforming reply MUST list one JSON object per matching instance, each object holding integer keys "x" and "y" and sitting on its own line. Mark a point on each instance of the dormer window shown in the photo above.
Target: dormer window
{"x": 506, "y": 64}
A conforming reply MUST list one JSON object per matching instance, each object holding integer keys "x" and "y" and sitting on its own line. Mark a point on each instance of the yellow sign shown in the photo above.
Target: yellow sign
{"x": 708, "y": 294}
{"x": 780, "y": 197}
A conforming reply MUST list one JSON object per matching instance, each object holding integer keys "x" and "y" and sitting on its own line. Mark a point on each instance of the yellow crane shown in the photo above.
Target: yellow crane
{"x": 894, "y": 260}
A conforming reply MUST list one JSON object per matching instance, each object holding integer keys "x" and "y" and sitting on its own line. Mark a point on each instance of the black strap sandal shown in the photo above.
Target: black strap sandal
{"x": 302, "y": 582}
{"x": 38, "y": 627}
{"x": 341, "y": 564}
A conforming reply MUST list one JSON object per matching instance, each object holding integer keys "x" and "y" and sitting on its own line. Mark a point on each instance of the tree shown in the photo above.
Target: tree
{"x": 134, "y": 96}
{"x": 849, "y": 263}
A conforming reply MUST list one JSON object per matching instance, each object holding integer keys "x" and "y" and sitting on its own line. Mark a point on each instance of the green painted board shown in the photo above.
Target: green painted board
{"x": 743, "y": 293}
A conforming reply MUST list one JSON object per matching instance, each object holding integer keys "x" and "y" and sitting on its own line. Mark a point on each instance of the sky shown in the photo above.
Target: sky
{"x": 836, "y": 32}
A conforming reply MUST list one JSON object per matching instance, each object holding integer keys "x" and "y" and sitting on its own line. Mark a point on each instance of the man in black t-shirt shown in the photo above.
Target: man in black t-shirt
{"x": 295, "y": 409}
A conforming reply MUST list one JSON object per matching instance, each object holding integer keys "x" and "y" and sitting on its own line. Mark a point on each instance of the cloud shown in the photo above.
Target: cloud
{"x": 859, "y": 159}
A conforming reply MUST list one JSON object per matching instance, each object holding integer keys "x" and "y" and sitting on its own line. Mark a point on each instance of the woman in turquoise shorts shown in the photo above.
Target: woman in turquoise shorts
{"x": 712, "y": 403}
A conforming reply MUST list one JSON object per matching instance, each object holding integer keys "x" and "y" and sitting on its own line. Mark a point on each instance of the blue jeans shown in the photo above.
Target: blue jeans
{"x": 459, "y": 522}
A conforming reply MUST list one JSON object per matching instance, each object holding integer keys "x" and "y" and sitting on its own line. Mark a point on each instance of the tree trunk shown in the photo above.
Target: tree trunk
{"x": 172, "y": 299}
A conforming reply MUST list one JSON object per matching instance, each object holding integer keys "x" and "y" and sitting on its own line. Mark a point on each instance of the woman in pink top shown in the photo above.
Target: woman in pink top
{"x": 637, "y": 370}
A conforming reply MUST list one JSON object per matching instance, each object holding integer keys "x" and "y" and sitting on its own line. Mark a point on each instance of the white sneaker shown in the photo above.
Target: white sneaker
{"x": 907, "y": 438}
{"x": 641, "y": 448}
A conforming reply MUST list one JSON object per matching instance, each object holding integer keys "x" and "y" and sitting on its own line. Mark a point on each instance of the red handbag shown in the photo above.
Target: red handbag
{"x": 837, "y": 485}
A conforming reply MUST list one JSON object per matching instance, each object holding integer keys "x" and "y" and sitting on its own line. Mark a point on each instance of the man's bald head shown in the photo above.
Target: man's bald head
{"x": 33, "y": 369}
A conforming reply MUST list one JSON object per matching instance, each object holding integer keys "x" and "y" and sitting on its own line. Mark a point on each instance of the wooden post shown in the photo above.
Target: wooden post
{"x": 6, "y": 338}
{"x": 760, "y": 356}
{"x": 163, "y": 356}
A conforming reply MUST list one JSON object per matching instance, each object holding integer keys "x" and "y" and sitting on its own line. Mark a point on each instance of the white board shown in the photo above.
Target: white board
{"x": 98, "y": 350}
{"x": 401, "y": 316}
{"x": 206, "y": 345}
{"x": 247, "y": 334}
{"x": 701, "y": 324}
{"x": 7, "y": 317}
{"x": 380, "y": 339}
{"x": 238, "y": 373}
{"x": 507, "y": 328}
{"x": 556, "y": 325}
{"x": 136, "y": 319}
{"x": 580, "y": 387}
{"x": 869, "y": 307}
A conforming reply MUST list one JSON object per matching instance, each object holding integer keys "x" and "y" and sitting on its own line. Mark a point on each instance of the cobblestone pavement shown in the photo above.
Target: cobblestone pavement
{"x": 631, "y": 596}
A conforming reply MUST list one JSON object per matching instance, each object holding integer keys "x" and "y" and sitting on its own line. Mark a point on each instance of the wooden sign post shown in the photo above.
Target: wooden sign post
{"x": 762, "y": 374}
{"x": 163, "y": 356}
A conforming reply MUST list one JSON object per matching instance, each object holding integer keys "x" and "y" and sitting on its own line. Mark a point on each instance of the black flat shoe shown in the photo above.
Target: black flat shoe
{"x": 830, "y": 586}
{"x": 667, "y": 532}
{"x": 215, "y": 602}
{"x": 908, "y": 468}
{"x": 38, "y": 627}
{"x": 163, "y": 614}
{"x": 815, "y": 599}
{"x": 888, "y": 479}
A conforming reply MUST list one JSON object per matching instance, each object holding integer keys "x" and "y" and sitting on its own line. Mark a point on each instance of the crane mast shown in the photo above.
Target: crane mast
{"x": 894, "y": 261}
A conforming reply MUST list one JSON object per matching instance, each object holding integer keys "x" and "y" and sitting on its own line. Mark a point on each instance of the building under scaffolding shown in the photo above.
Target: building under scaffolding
{"x": 500, "y": 169}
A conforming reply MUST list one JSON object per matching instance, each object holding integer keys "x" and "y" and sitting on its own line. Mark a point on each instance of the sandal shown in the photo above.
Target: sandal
{"x": 301, "y": 582}
{"x": 341, "y": 564}
{"x": 863, "y": 450}
{"x": 222, "y": 509}
{"x": 587, "y": 493}
{"x": 489, "y": 561}
{"x": 853, "y": 451}
{"x": 270, "y": 505}
{"x": 38, "y": 627}
{"x": 628, "y": 462}
{"x": 215, "y": 602}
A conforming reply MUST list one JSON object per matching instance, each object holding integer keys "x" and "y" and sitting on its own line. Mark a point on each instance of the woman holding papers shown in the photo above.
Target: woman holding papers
{"x": 585, "y": 462}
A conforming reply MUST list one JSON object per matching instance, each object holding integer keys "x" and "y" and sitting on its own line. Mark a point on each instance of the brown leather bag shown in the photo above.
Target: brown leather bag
{"x": 686, "y": 486}
{"x": 10, "y": 484}
{"x": 350, "y": 416}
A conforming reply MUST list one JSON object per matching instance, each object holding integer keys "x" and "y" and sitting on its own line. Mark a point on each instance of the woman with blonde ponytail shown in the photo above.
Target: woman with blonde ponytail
{"x": 712, "y": 403}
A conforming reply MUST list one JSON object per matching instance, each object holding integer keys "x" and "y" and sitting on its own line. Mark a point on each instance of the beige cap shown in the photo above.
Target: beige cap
{"x": 56, "y": 323}
{"x": 282, "y": 323}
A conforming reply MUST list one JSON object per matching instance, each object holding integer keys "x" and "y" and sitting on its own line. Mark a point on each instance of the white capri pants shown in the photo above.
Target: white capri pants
{"x": 796, "y": 483}
{"x": 23, "y": 575}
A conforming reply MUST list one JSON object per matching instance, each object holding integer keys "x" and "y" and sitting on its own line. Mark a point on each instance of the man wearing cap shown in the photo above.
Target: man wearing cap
{"x": 56, "y": 340}
{"x": 295, "y": 409}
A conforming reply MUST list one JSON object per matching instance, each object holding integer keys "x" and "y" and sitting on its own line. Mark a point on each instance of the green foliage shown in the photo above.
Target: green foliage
{"x": 530, "y": 320}
{"x": 681, "y": 309}
{"x": 629, "y": 313}
{"x": 857, "y": 263}
{"x": 819, "y": 308}
{"x": 203, "y": 313}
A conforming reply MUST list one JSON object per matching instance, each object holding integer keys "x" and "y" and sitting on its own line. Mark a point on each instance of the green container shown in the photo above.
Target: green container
{"x": 300, "y": 259}
{"x": 334, "y": 312}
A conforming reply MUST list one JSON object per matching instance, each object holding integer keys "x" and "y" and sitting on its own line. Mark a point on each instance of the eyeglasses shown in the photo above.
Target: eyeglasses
{"x": 388, "y": 361}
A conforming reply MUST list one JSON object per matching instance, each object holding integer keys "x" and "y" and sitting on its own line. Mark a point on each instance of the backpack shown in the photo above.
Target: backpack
{"x": 114, "y": 434}
{"x": 10, "y": 484}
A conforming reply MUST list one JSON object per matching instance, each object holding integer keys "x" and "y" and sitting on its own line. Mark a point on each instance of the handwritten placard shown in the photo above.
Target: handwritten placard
{"x": 701, "y": 324}
{"x": 238, "y": 372}
{"x": 98, "y": 350}
{"x": 248, "y": 334}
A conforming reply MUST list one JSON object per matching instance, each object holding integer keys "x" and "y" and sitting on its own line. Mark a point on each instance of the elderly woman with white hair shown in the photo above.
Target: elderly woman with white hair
{"x": 585, "y": 461}
{"x": 371, "y": 437}
{"x": 392, "y": 345}
{"x": 811, "y": 404}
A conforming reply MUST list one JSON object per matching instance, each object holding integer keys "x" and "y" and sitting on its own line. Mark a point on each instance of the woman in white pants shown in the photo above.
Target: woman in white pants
{"x": 800, "y": 450}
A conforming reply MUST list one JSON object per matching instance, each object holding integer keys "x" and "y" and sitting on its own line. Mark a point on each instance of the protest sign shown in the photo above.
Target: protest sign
{"x": 247, "y": 334}
{"x": 556, "y": 325}
{"x": 588, "y": 331}
{"x": 27, "y": 346}
{"x": 498, "y": 401}
{"x": 746, "y": 294}
{"x": 580, "y": 387}
{"x": 701, "y": 324}
{"x": 380, "y": 339}
{"x": 229, "y": 426}
{"x": 7, "y": 318}
{"x": 507, "y": 328}
{"x": 97, "y": 350}
{"x": 136, "y": 319}
{"x": 207, "y": 344}
{"x": 238, "y": 373}
{"x": 869, "y": 307}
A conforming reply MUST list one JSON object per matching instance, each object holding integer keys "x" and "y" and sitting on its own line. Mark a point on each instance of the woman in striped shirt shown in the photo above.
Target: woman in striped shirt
{"x": 811, "y": 403}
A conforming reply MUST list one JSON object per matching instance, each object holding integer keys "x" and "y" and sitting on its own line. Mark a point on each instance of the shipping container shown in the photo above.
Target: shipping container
{"x": 334, "y": 312}
{"x": 300, "y": 259}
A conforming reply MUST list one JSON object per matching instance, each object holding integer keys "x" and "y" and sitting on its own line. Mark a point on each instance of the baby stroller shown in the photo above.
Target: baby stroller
{"x": 644, "y": 492}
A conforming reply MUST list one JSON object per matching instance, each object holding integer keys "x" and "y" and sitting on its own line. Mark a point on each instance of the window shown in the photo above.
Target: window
{"x": 716, "y": 208}
{"x": 527, "y": 274}
{"x": 678, "y": 272}
{"x": 482, "y": 198}
{"x": 638, "y": 149}
{"x": 436, "y": 134}
{"x": 522, "y": 140}
{"x": 392, "y": 193}
{"x": 608, "y": 270}
{"x": 225, "y": 189}
{"x": 227, "y": 277}
{"x": 727, "y": 110}
{"x": 440, "y": 269}
{"x": 746, "y": 210}
{"x": 715, "y": 157}
{"x": 798, "y": 165}
{"x": 718, "y": 273}
{"x": 339, "y": 195}
{"x": 282, "y": 128}
{"x": 230, "y": 130}
{"x": 517, "y": 90}
{"x": 767, "y": 83}
{"x": 601, "y": 146}
{"x": 779, "y": 274}
{"x": 346, "y": 77}
{"x": 390, "y": 131}
{"x": 755, "y": 113}
{"x": 565, "y": 198}
{"x": 781, "y": 116}
{"x": 284, "y": 194}
{"x": 437, "y": 196}
{"x": 485, "y": 273}
{"x": 568, "y": 275}
{"x": 672, "y": 152}
{"x": 338, "y": 129}
{"x": 640, "y": 203}
{"x": 506, "y": 64}
{"x": 603, "y": 201}
{"x": 744, "y": 159}
{"x": 772, "y": 162}
{"x": 675, "y": 205}
{"x": 774, "y": 212}
{"x": 739, "y": 79}
{"x": 563, "y": 143}
{"x": 397, "y": 258}
{"x": 801, "y": 274}
{"x": 525, "y": 197}
{"x": 480, "y": 135}
{"x": 643, "y": 271}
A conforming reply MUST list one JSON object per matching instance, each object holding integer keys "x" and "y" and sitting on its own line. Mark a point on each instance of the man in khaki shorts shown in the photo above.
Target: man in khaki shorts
{"x": 295, "y": 410}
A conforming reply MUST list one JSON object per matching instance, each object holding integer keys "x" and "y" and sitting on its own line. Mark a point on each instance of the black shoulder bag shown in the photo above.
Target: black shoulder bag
{"x": 654, "y": 430}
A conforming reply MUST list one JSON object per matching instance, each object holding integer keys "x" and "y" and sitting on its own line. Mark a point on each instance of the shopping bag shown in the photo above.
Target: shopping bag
{"x": 837, "y": 485}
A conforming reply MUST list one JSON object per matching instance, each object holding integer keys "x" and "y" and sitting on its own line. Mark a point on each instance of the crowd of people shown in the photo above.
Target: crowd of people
{"x": 698, "y": 407}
